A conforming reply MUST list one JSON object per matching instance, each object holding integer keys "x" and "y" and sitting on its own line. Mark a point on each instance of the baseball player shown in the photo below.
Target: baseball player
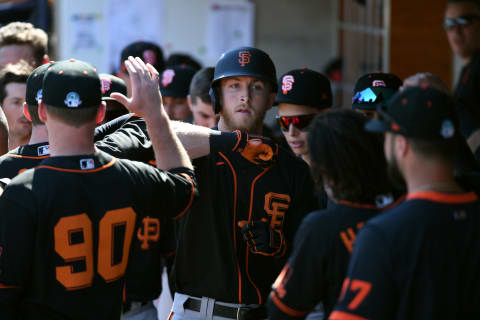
{"x": 174, "y": 86}
{"x": 420, "y": 259}
{"x": 372, "y": 89}
{"x": 199, "y": 99}
{"x": 302, "y": 94}
{"x": 342, "y": 154}
{"x": 253, "y": 197}
{"x": 111, "y": 84}
{"x": 67, "y": 225}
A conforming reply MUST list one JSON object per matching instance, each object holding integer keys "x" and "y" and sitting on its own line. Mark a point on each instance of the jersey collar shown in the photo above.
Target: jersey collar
{"x": 451, "y": 198}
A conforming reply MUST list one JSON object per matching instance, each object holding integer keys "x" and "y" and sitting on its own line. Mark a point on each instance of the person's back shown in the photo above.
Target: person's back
{"x": 67, "y": 226}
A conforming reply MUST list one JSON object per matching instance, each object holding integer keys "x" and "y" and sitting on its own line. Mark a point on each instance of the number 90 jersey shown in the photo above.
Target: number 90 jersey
{"x": 66, "y": 229}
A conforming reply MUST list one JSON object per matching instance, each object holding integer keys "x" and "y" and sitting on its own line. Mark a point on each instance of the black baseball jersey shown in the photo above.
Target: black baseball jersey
{"x": 66, "y": 231}
{"x": 318, "y": 264}
{"x": 233, "y": 189}
{"x": 22, "y": 158}
{"x": 419, "y": 260}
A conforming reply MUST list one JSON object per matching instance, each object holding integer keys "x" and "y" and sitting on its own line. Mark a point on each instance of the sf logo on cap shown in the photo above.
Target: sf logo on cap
{"x": 72, "y": 100}
{"x": 244, "y": 57}
{"x": 378, "y": 83}
{"x": 287, "y": 83}
{"x": 167, "y": 77}
{"x": 106, "y": 84}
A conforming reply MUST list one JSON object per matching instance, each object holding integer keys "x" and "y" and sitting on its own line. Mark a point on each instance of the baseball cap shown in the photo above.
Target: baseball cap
{"x": 35, "y": 83}
{"x": 175, "y": 81}
{"x": 72, "y": 84}
{"x": 373, "y": 88}
{"x": 417, "y": 112}
{"x": 305, "y": 87}
{"x": 147, "y": 51}
{"x": 109, "y": 84}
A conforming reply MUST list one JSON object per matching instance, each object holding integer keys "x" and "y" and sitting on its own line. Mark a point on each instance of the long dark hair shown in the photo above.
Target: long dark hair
{"x": 349, "y": 158}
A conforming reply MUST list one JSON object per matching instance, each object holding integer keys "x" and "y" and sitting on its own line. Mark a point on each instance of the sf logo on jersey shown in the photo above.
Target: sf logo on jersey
{"x": 150, "y": 232}
{"x": 167, "y": 77}
{"x": 276, "y": 204}
{"x": 287, "y": 83}
{"x": 244, "y": 58}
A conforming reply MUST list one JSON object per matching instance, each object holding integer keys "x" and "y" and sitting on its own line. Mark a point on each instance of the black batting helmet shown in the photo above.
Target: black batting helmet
{"x": 244, "y": 61}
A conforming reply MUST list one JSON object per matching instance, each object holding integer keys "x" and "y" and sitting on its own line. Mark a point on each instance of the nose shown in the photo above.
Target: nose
{"x": 245, "y": 95}
{"x": 292, "y": 131}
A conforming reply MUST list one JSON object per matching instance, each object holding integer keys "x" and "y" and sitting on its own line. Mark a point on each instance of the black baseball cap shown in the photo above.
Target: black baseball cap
{"x": 417, "y": 112}
{"x": 110, "y": 84}
{"x": 35, "y": 83}
{"x": 72, "y": 84}
{"x": 374, "y": 88}
{"x": 305, "y": 87}
{"x": 175, "y": 81}
{"x": 149, "y": 52}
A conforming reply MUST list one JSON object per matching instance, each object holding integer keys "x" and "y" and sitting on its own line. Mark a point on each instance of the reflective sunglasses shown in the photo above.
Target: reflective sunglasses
{"x": 463, "y": 21}
{"x": 300, "y": 122}
{"x": 372, "y": 95}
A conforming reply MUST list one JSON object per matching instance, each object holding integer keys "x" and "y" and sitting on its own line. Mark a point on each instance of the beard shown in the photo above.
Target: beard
{"x": 249, "y": 124}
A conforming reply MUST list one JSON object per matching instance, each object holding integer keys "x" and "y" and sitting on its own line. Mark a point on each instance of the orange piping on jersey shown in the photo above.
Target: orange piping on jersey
{"x": 192, "y": 194}
{"x": 249, "y": 220}
{"x": 396, "y": 203}
{"x": 108, "y": 165}
{"x": 239, "y": 138}
{"x": 443, "y": 197}
{"x": 220, "y": 163}
{"x": 284, "y": 308}
{"x": 340, "y": 315}
{"x": 27, "y": 157}
{"x": 358, "y": 205}
{"x": 152, "y": 163}
{"x": 4, "y": 286}
{"x": 234, "y": 225}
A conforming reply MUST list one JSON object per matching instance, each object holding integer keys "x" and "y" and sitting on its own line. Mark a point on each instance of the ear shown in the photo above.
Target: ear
{"x": 189, "y": 101}
{"x": 42, "y": 111}
{"x": 26, "y": 113}
{"x": 101, "y": 113}
{"x": 401, "y": 146}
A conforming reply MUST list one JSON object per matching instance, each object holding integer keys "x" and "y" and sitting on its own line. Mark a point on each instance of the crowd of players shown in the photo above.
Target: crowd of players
{"x": 369, "y": 211}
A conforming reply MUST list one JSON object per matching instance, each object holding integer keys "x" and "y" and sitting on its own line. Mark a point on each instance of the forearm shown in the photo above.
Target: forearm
{"x": 195, "y": 139}
{"x": 169, "y": 152}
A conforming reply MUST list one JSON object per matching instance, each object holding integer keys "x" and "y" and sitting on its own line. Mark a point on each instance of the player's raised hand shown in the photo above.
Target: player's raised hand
{"x": 146, "y": 98}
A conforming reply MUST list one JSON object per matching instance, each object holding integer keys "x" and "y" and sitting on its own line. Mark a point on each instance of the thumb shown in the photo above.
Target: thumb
{"x": 242, "y": 223}
{"x": 120, "y": 98}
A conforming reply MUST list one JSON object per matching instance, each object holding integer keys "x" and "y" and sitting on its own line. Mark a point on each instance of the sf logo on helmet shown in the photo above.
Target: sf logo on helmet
{"x": 167, "y": 77}
{"x": 287, "y": 83}
{"x": 72, "y": 100}
{"x": 106, "y": 84}
{"x": 244, "y": 58}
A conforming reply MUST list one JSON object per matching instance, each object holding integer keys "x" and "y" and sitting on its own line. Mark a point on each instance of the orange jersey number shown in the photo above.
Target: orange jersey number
{"x": 80, "y": 226}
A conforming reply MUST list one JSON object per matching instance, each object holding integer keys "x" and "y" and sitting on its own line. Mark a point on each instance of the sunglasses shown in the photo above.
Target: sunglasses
{"x": 463, "y": 21}
{"x": 372, "y": 95}
{"x": 300, "y": 122}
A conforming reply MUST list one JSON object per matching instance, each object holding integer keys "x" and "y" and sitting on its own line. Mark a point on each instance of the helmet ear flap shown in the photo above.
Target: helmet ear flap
{"x": 213, "y": 92}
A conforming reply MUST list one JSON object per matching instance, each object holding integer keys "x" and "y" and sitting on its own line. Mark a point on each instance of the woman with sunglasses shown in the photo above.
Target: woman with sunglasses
{"x": 302, "y": 94}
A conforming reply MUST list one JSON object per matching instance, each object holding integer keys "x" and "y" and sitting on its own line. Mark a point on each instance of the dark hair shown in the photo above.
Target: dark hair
{"x": 180, "y": 58}
{"x": 73, "y": 117}
{"x": 343, "y": 152}
{"x": 24, "y": 33}
{"x": 200, "y": 85}
{"x": 474, "y": 2}
{"x": 33, "y": 110}
{"x": 13, "y": 72}
{"x": 443, "y": 150}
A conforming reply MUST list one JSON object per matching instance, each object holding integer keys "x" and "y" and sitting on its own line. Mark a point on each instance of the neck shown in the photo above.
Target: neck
{"x": 222, "y": 126}
{"x": 432, "y": 177}
{"x": 69, "y": 141}
{"x": 306, "y": 158}
{"x": 15, "y": 141}
{"x": 39, "y": 134}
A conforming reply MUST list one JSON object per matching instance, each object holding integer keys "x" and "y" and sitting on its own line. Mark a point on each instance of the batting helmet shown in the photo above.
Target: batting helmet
{"x": 244, "y": 61}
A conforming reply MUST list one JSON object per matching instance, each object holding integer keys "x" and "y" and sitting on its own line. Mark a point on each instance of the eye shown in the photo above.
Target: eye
{"x": 234, "y": 85}
{"x": 257, "y": 86}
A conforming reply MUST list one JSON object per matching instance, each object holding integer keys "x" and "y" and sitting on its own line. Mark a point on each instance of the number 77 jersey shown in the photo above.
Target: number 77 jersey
{"x": 66, "y": 230}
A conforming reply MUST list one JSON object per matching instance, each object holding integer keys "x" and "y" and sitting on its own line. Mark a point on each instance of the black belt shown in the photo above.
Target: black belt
{"x": 240, "y": 313}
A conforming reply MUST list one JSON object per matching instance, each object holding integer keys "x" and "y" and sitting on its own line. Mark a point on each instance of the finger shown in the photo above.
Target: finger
{"x": 142, "y": 64}
{"x": 131, "y": 70}
{"x": 136, "y": 65}
{"x": 153, "y": 71}
{"x": 120, "y": 98}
